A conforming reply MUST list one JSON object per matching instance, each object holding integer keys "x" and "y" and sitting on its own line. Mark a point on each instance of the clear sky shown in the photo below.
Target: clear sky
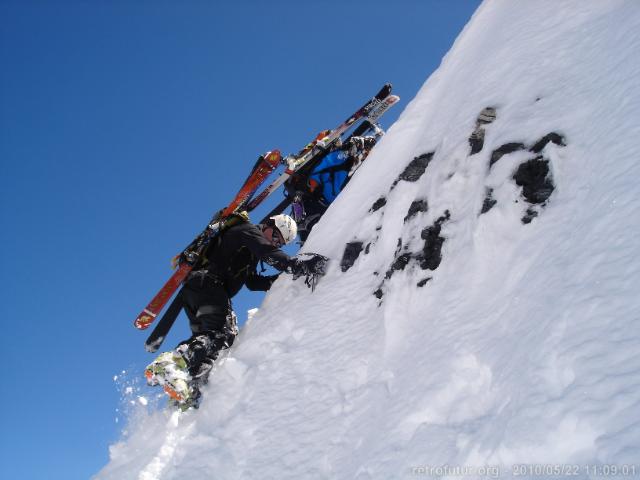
{"x": 123, "y": 126}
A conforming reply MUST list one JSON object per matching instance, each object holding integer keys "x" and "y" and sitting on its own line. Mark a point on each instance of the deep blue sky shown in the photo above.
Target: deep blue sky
{"x": 123, "y": 126}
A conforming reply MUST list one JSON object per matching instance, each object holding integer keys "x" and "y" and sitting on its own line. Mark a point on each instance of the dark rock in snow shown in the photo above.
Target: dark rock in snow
{"x": 378, "y": 204}
{"x": 486, "y": 116}
{"x": 549, "y": 137}
{"x": 476, "y": 140}
{"x": 431, "y": 254}
{"x": 489, "y": 201}
{"x": 429, "y": 257}
{"x": 505, "y": 149}
{"x": 398, "y": 264}
{"x": 537, "y": 147}
{"x": 398, "y": 247}
{"x": 415, "y": 169}
{"x": 416, "y": 207}
{"x": 530, "y": 215}
{"x": 535, "y": 179}
{"x": 533, "y": 175}
{"x": 351, "y": 253}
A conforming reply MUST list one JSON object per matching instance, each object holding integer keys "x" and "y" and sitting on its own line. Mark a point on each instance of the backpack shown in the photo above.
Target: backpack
{"x": 214, "y": 234}
{"x": 331, "y": 175}
{"x": 337, "y": 167}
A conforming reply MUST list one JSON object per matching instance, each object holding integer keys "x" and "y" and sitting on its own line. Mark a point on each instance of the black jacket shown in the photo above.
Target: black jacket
{"x": 233, "y": 257}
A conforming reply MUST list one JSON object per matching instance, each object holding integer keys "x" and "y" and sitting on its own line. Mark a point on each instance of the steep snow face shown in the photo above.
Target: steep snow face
{"x": 482, "y": 309}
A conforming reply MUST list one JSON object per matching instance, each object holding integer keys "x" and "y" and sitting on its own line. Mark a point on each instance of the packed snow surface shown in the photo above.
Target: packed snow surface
{"x": 486, "y": 314}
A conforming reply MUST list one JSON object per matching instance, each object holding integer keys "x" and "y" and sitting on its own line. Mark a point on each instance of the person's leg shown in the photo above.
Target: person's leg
{"x": 208, "y": 308}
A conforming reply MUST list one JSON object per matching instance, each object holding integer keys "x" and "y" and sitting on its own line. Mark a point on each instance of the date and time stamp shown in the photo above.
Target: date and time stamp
{"x": 574, "y": 470}
{"x": 526, "y": 470}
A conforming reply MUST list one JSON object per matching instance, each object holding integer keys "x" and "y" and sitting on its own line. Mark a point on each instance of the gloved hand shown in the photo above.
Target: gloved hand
{"x": 315, "y": 265}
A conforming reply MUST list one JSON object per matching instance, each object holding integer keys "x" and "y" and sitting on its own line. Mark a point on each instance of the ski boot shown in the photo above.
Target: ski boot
{"x": 193, "y": 401}
{"x": 170, "y": 370}
{"x": 196, "y": 382}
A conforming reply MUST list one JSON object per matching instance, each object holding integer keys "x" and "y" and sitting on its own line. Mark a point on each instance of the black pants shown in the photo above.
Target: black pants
{"x": 212, "y": 323}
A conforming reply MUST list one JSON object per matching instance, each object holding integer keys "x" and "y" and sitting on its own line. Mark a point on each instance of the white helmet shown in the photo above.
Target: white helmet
{"x": 286, "y": 226}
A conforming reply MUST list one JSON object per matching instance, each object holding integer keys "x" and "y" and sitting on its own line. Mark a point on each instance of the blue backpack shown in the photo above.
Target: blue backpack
{"x": 331, "y": 174}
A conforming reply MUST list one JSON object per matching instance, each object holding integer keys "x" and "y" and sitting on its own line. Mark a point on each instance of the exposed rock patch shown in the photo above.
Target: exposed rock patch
{"x": 415, "y": 169}
{"x": 529, "y": 215}
{"x": 489, "y": 201}
{"x": 428, "y": 258}
{"x": 533, "y": 175}
{"x": 505, "y": 149}
{"x": 378, "y": 204}
{"x": 398, "y": 264}
{"x": 416, "y": 207}
{"x": 351, "y": 253}
{"x": 476, "y": 140}
{"x": 535, "y": 179}
{"x": 552, "y": 137}
{"x": 431, "y": 254}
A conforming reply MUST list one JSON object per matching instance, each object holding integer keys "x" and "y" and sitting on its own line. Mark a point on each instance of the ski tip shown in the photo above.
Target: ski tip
{"x": 143, "y": 321}
{"x": 152, "y": 346}
{"x": 385, "y": 91}
{"x": 273, "y": 158}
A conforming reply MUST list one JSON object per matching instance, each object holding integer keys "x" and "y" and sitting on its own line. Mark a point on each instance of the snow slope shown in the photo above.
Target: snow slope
{"x": 480, "y": 341}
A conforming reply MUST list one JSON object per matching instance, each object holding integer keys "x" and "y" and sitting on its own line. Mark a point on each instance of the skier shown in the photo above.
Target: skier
{"x": 312, "y": 194}
{"x": 206, "y": 296}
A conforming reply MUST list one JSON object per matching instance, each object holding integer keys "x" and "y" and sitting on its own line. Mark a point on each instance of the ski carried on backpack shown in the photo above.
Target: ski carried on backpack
{"x": 371, "y": 111}
{"x": 362, "y": 129}
{"x": 189, "y": 257}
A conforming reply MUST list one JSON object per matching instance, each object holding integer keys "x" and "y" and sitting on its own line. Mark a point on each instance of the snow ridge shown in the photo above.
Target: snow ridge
{"x": 485, "y": 313}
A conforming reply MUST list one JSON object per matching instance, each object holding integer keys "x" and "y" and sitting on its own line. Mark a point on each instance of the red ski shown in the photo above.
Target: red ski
{"x": 261, "y": 170}
{"x": 266, "y": 164}
{"x": 151, "y": 311}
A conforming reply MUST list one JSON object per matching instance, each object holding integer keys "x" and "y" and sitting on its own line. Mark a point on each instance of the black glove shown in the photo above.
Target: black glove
{"x": 314, "y": 266}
